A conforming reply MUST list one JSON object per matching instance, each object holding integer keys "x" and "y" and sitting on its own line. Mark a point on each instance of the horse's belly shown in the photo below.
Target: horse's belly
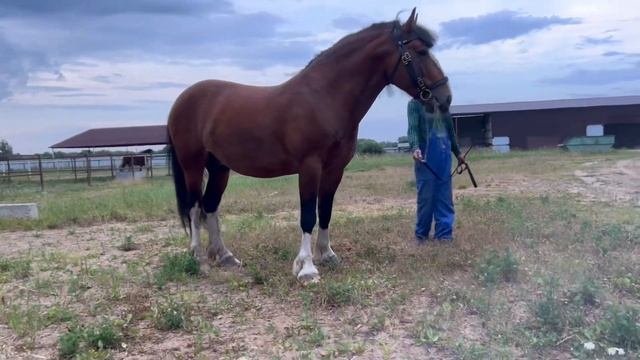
{"x": 261, "y": 169}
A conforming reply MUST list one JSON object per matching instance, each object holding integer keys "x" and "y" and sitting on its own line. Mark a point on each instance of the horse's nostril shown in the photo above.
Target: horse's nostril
{"x": 448, "y": 100}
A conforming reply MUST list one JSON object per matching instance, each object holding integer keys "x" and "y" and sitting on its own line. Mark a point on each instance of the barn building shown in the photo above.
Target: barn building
{"x": 538, "y": 124}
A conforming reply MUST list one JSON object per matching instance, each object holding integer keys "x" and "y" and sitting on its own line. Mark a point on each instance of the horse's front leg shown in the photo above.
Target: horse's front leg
{"x": 308, "y": 182}
{"x": 328, "y": 187}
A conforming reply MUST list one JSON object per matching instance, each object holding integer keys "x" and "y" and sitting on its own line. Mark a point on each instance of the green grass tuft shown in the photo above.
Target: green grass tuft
{"x": 586, "y": 293}
{"x": 14, "y": 269}
{"x": 338, "y": 293}
{"x": 621, "y": 326}
{"x": 90, "y": 342}
{"x": 128, "y": 244}
{"x": 176, "y": 267}
{"x": 105, "y": 335}
{"x": 69, "y": 343}
{"x": 171, "y": 314}
{"x": 548, "y": 311}
{"x": 495, "y": 268}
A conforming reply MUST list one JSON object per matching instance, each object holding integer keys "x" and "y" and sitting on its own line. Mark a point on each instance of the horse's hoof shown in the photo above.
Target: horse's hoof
{"x": 196, "y": 254}
{"x": 229, "y": 261}
{"x": 327, "y": 259}
{"x": 331, "y": 259}
{"x": 308, "y": 279}
{"x": 204, "y": 267}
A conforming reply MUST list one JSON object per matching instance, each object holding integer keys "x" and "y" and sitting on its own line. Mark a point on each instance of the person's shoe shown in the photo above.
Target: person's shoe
{"x": 421, "y": 240}
{"x": 445, "y": 240}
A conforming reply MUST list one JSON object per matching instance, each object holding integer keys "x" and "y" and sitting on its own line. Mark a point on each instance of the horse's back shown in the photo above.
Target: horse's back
{"x": 203, "y": 100}
{"x": 213, "y": 116}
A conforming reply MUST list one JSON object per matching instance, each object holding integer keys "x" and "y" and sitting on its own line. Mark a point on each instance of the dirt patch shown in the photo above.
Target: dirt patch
{"x": 82, "y": 241}
{"x": 509, "y": 184}
{"x": 594, "y": 181}
{"x": 618, "y": 183}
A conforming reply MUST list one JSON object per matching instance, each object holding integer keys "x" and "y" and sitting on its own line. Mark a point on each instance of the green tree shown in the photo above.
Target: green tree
{"x": 5, "y": 148}
{"x": 368, "y": 146}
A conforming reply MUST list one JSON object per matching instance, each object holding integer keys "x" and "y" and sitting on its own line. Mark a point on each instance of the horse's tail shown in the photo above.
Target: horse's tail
{"x": 182, "y": 195}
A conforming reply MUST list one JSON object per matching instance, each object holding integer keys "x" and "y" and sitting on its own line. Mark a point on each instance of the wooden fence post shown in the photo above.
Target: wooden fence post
{"x": 151, "y": 165}
{"x": 41, "y": 173}
{"x": 55, "y": 167}
{"x": 111, "y": 166}
{"x": 133, "y": 170}
{"x": 74, "y": 166}
{"x": 88, "y": 164}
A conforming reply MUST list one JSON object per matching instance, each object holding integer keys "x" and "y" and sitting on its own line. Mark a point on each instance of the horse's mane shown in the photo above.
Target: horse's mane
{"x": 340, "y": 48}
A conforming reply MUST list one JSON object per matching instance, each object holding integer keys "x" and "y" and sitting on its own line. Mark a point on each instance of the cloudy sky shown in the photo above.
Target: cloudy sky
{"x": 70, "y": 65}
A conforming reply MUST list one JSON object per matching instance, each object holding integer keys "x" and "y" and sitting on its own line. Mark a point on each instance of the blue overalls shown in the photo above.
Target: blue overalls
{"x": 435, "y": 198}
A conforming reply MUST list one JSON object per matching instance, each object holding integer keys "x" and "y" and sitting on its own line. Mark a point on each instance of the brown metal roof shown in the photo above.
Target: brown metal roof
{"x": 117, "y": 136}
{"x": 544, "y": 105}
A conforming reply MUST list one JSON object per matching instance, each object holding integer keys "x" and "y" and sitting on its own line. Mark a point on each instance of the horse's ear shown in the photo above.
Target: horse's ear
{"x": 410, "y": 25}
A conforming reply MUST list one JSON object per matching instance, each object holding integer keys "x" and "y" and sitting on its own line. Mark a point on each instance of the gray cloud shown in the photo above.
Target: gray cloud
{"x": 501, "y": 25}
{"x": 589, "y": 40}
{"x": 15, "y": 64}
{"x": 106, "y": 79}
{"x": 112, "y": 7}
{"x": 60, "y": 32}
{"x": 50, "y": 89}
{"x": 82, "y": 107}
{"x": 155, "y": 86}
{"x": 78, "y": 94}
{"x": 350, "y": 22}
{"x": 602, "y": 76}
{"x": 130, "y": 35}
{"x": 621, "y": 54}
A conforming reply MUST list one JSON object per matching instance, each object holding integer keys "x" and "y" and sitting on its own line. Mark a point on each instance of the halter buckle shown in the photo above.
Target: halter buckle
{"x": 425, "y": 95}
{"x": 406, "y": 58}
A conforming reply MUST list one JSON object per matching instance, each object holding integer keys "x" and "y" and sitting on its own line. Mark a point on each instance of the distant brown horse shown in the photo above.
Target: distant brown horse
{"x": 133, "y": 161}
{"x": 306, "y": 126}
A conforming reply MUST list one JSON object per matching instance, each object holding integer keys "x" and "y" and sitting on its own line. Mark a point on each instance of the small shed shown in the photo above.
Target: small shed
{"x": 116, "y": 137}
{"x": 131, "y": 166}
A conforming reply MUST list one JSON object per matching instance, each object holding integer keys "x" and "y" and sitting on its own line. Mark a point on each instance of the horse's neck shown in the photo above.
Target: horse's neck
{"x": 355, "y": 80}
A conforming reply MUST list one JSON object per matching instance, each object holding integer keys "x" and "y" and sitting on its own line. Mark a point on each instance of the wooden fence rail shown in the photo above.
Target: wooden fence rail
{"x": 21, "y": 167}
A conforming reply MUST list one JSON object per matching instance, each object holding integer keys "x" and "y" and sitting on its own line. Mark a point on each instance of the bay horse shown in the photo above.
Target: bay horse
{"x": 307, "y": 125}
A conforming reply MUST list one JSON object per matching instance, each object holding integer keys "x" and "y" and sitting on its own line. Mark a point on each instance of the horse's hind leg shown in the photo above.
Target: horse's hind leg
{"x": 217, "y": 183}
{"x": 193, "y": 174}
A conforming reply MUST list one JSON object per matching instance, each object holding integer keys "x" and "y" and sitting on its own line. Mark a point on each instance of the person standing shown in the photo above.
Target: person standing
{"x": 432, "y": 140}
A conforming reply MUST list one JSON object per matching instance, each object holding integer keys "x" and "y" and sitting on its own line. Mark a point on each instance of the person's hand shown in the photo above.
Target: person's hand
{"x": 461, "y": 159}
{"x": 417, "y": 155}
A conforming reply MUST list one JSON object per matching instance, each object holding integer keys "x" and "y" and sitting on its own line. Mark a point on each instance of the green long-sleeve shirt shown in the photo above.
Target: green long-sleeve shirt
{"x": 421, "y": 123}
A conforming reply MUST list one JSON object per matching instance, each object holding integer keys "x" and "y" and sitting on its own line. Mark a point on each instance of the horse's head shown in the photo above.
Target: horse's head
{"x": 414, "y": 69}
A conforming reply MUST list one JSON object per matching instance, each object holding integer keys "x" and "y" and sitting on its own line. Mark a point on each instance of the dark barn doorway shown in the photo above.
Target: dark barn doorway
{"x": 471, "y": 130}
{"x": 627, "y": 135}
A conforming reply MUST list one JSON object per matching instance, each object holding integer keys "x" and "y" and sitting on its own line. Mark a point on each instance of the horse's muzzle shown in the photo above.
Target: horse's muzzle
{"x": 443, "y": 96}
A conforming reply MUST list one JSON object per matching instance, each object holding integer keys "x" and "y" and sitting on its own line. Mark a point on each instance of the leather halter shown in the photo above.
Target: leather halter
{"x": 425, "y": 92}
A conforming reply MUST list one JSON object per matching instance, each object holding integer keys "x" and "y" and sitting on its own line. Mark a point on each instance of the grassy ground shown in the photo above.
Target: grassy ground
{"x": 534, "y": 271}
